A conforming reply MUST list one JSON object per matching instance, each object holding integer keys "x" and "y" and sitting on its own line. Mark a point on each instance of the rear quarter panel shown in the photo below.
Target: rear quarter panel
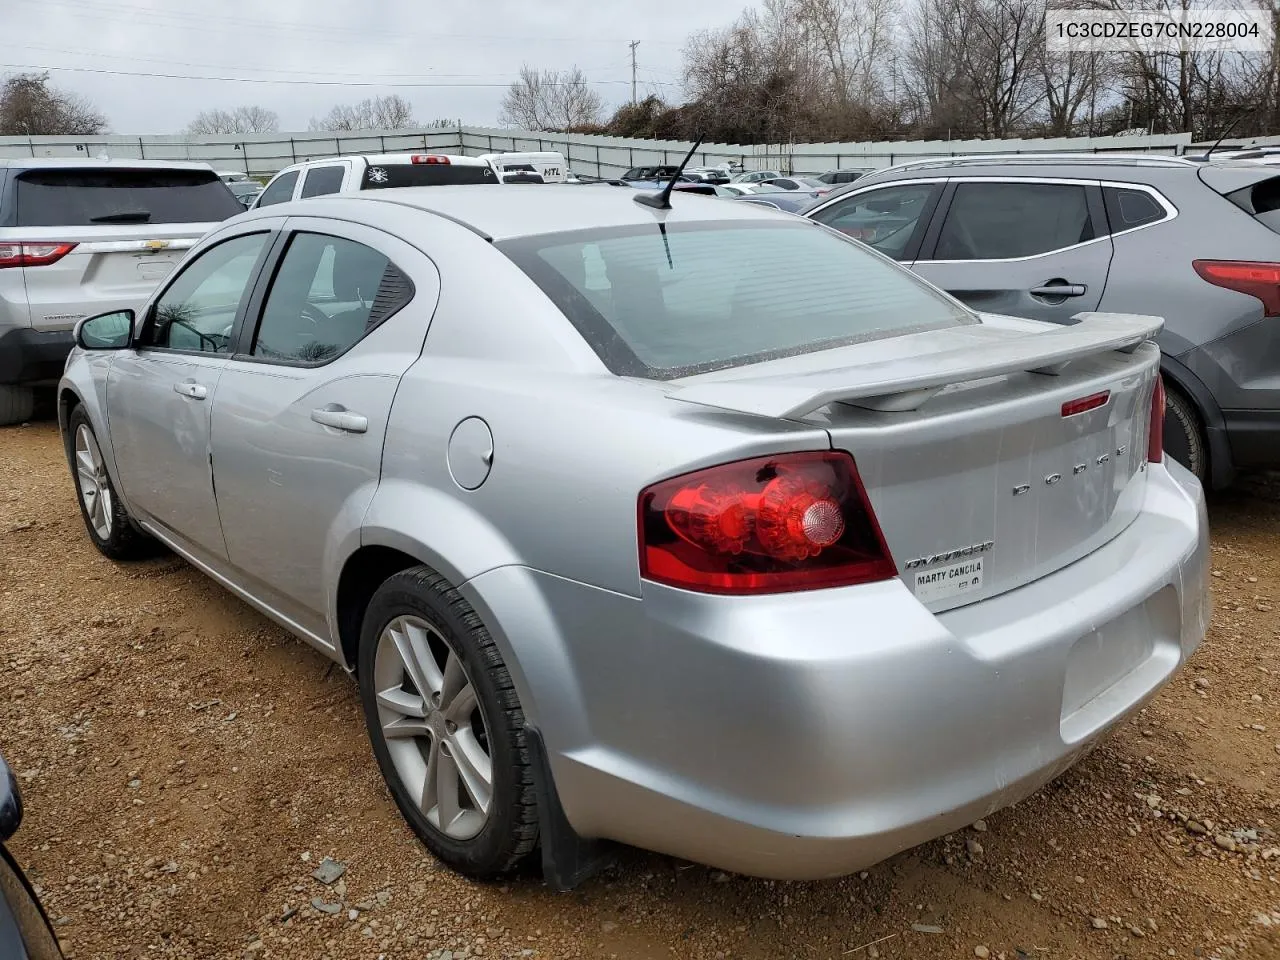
{"x": 1218, "y": 334}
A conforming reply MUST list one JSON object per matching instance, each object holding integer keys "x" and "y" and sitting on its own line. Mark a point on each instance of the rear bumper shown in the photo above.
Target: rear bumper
{"x": 810, "y": 735}
{"x": 33, "y": 356}
{"x": 1254, "y": 436}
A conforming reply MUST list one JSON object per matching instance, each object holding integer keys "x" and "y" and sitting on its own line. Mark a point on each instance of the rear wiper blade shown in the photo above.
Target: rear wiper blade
{"x": 128, "y": 216}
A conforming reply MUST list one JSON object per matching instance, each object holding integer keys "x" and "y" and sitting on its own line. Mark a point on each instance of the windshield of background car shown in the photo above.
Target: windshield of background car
{"x": 380, "y": 176}
{"x": 705, "y": 296}
{"x": 83, "y": 197}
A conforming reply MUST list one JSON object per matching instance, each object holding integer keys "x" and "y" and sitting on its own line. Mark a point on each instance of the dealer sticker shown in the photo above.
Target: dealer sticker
{"x": 942, "y": 583}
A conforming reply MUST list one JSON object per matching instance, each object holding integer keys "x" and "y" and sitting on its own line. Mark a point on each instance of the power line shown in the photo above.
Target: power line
{"x": 304, "y": 73}
{"x": 188, "y": 20}
{"x": 309, "y": 83}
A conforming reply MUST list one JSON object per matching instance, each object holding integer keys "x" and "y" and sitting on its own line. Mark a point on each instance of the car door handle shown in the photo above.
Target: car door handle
{"x": 340, "y": 418}
{"x": 1059, "y": 290}
{"x": 189, "y": 388}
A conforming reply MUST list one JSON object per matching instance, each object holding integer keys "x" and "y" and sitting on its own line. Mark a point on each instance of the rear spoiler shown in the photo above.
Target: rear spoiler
{"x": 903, "y": 384}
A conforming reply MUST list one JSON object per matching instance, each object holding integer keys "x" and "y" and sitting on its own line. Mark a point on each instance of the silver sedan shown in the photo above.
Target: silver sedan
{"x": 704, "y": 529}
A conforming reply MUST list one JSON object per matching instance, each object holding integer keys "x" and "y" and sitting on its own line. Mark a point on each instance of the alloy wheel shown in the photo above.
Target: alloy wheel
{"x": 434, "y": 727}
{"x": 95, "y": 488}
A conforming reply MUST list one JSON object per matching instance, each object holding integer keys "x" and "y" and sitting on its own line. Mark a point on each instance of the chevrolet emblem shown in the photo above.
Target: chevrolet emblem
{"x": 156, "y": 244}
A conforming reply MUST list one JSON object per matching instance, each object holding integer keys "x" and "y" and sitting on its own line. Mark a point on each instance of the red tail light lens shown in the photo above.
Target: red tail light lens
{"x": 1085, "y": 404}
{"x": 1155, "y": 438}
{"x": 1261, "y": 280}
{"x": 797, "y": 521}
{"x": 428, "y": 158}
{"x": 33, "y": 254}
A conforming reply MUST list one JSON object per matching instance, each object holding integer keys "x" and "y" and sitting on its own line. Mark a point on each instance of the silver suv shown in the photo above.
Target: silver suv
{"x": 78, "y": 237}
{"x": 1049, "y": 237}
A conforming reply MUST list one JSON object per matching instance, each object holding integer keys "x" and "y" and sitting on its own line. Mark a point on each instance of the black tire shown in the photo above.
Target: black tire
{"x": 17, "y": 404}
{"x": 510, "y": 832}
{"x": 1184, "y": 438}
{"x": 123, "y": 541}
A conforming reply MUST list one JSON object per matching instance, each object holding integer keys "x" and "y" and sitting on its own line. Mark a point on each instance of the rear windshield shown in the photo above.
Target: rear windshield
{"x": 666, "y": 303}
{"x": 383, "y": 175}
{"x": 77, "y": 198}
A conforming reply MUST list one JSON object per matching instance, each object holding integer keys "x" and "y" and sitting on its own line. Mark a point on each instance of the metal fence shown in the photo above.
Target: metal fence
{"x": 265, "y": 154}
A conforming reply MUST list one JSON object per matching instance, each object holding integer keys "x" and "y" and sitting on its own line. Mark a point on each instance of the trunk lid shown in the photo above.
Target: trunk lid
{"x": 979, "y": 481}
{"x": 109, "y": 268}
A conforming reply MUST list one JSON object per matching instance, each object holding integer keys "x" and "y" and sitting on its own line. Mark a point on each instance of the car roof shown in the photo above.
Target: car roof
{"x": 47, "y": 163}
{"x": 521, "y": 210}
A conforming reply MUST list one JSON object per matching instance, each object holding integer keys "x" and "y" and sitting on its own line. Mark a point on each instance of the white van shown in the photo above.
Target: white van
{"x": 549, "y": 165}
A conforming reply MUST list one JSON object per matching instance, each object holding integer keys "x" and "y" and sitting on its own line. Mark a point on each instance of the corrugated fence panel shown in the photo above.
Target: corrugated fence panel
{"x": 264, "y": 154}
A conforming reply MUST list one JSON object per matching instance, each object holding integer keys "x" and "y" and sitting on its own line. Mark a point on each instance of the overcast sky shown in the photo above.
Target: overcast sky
{"x": 467, "y": 51}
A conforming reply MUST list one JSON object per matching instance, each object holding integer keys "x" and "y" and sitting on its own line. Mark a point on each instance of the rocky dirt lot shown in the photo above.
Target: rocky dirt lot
{"x": 187, "y": 765}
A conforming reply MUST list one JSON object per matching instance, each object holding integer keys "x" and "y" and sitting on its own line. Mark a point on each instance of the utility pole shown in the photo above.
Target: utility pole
{"x": 633, "y": 44}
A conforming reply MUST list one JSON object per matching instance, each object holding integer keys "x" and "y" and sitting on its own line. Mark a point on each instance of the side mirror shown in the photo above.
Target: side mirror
{"x": 106, "y": 331}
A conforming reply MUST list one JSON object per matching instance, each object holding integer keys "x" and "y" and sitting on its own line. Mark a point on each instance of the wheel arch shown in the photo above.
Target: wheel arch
{"x": 1180, "y": 378}
{"x": 408, "y": 525}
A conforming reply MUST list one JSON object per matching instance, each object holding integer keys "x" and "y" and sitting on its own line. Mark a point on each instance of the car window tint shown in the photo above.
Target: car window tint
{"x": 996, "y": 221}
{"x": 322, "y": 180}
{"x": 279, "y": 190}
{"x": 89, "y": 197}
{"x": 198, "y": 310}
{"x": 327, "y": 294}
{"x": 885, "y": 219}
{"x": 1127, "y": 209}
{"x": 701, "y": 296}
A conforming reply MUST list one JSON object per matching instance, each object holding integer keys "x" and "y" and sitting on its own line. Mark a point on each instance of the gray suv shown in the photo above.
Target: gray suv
{"x": 78, "y": 237}
{"x": 1049, "y": 237}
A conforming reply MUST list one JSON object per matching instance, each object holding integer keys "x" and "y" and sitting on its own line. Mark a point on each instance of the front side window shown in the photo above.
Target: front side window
{"x": 705, "y": 296}
{"x": 198, "y": 310}
{"x": 323, "y": 180}
{"x": 279, "y": 190}
{"x": 999, "y": 221}
{"x": 886, "y": 219}
{"x": 327, "y": 294}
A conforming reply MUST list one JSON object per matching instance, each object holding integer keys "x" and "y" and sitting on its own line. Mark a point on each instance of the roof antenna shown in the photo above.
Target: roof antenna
{"x": 1230, "y": 126}
{"x": 662, "y": 200}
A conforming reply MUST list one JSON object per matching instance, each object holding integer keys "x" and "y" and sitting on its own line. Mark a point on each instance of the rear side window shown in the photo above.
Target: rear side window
{"x": 383, "y": 175}
{"x": 1262, "y": 200}
{"x": 84, "y": 197}
{"x": 327, "y": 294}
{"x": 706, "y": 296}
{"x": 279, "y": 190}
{"x": 1000, "y": 221}
{"x": 1128, "y": 209}
{"x": 323, "y": 180}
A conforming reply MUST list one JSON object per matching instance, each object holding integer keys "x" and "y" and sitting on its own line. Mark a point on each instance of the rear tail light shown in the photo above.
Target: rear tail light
{"x": 1260, "y": 280}
{"x": 429, "y": 158}
{"x": 1155, "y": 438}
{"x": 798, "y": 521}
{"x": 1085, "y": 404}
{"x": 33, "y": 254}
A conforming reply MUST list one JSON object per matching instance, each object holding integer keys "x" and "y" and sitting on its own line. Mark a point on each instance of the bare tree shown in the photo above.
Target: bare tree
{"x": 247, "y": 119}
{"x": 30, "y": 107}
{"x": 550, "y": 100}
{"x": 392, "y": 112}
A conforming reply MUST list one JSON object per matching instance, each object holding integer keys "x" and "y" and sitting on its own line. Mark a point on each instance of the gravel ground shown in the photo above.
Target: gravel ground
{"x": 187, "y": 765}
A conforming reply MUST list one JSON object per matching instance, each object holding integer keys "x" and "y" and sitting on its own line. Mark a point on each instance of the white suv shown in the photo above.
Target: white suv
{"x": 316, "y": 178}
